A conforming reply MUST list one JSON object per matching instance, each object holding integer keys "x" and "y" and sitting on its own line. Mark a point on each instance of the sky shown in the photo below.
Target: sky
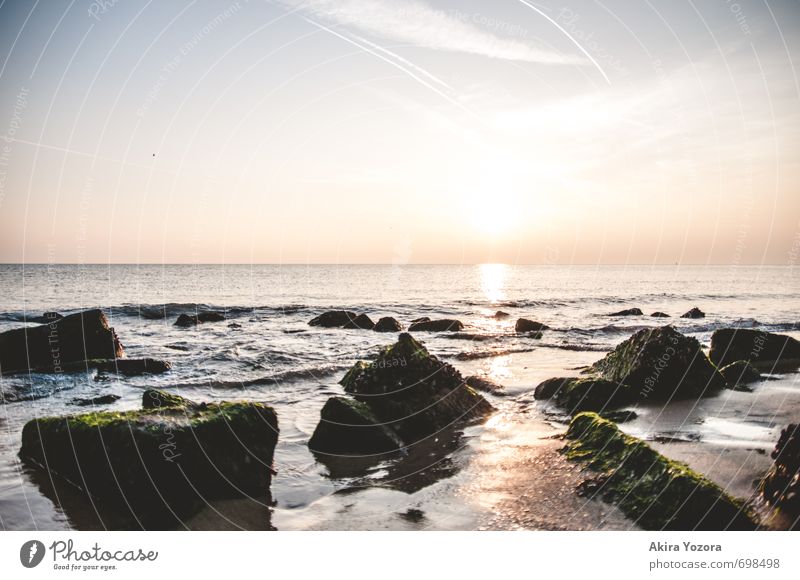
{"x": 386, "y": 131}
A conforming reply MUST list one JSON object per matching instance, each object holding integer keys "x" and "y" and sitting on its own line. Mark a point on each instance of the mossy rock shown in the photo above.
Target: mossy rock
{"x": 652, "y": 490}
{"x": 158, "y": 399}
{"x": 739, "y": 374}
{"x": 348, "y": 426}
{"x": 413, "y": 392}
{"x": 160, "y": 464}
{"x": 660, "y": 364}
{"x": 576, "y": 394}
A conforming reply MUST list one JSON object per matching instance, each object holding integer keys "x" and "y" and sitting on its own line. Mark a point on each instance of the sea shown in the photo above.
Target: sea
{"x": 265, "y": 350}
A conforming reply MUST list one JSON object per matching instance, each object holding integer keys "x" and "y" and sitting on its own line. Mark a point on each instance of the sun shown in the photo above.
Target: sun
{"x": 491, "y": 196}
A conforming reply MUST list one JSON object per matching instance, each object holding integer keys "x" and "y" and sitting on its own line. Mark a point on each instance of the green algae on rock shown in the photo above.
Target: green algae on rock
{"x": 160, "y": 463}
{"x": 739, "y": 374}
{"x": 655, "y": 492}
{"x": 408, "y": 391}
{"x": 348, "y": 426}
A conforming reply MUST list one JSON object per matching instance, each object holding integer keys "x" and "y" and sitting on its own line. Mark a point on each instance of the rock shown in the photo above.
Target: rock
{"x": 661, "y": 364}
{"x": 485, "y": 385}
{"x": 549, "y": 388}
{"x": 660, "y": 315}
{"x": 100, "y": 400}
{"x": 592, "y": 394}
{"x": 764, "y": 350}
{"x": 525, "y": 325}
{"x": 619, "y": 416}
{"x": 501, "y": 314}
{"x": 442, "y": 325}
{"x": 421, "y": 319}
{"x": 694, "y": 313}
{"x": 187, "y": 320}
{"x": 134, "y": 366}
{"x": 45, "y": 318}
{"x": 387, "y": 324}
{"x": 349, "y": 426}
{"x": 781, "y": 486}
{"x": 628, "y": 312}
{"x": 159, "y": 461}
{"x": 158, "y": 399}
{"x": 740, "y": 373}
{"x": 412, "y": 392}
{"x": 361, "y": 321}
{"x": 652, "y": 490}
{"x": 71, "y": 339}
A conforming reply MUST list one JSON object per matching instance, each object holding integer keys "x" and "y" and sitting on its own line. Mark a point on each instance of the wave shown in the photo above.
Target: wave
{"x": 271, "y": 379}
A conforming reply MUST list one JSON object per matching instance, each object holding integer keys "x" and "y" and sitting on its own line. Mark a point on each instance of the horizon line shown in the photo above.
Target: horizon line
{"x": 660, "y": 264}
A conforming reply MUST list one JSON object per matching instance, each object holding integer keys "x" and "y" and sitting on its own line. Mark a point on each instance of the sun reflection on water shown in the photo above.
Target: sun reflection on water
{"x": 493, "y": 281}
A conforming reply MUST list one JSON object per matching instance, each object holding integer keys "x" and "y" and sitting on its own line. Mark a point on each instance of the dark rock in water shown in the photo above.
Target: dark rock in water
{"x": 349, "y": 426}
{"x": 619, "y": 416}
{"x": 740, "y": 373}
{"x": 100, "y": 400}
{"x": 158, "y": 399}
{"x": 549, "y": 388}
{"x": 361, "y": 321}
{"x": 134, "y": 366}
{"x": 652, "y": 490}
{"x": 660, "y": 315}
{"x": 660, "y": 364}
{"x": 421, "y": 319}
{"x": 45, "y": 318}
{"x": 71, "y": 339}
{"x": 483, "y": 384}
{"x": 154, "y": 463}
{"x": 694, "y": 313}
{"x": 525, "y": 325}
{"x": 442, "y": 325}
{"x": 781, "y": 486}
{"x": 187, "y": 320}
{"x": 628, "y": 312}
{"x": 501, "y": 314}
{"x": 593, "y": 394}
{"x": 387, "y": 324}
{"x": 765, "y": 350}
{"x": 413, "y": 515}
{"x": 412, "y": 392}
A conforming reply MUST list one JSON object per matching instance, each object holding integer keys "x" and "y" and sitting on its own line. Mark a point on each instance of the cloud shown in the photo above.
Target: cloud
{"x": 417, "y": 23}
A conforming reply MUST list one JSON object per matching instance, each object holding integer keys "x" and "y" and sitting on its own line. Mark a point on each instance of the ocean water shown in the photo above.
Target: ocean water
{"x": 266, "y": 351}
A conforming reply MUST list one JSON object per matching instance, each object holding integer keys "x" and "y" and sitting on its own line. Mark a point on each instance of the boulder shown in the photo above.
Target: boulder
{"x": 593, "y": 394}
{"x": 421, "y": 319}
{"x": 781, "y": 486}
{"x": 158, "y": 399}
{"x": 99, "y": 400}
{"x": 186, "y": 320}
{"x": 652, "y": 490}
{"x": 628, "y": 312}
{"x": 740, "y": 373}
{"x": 413, "y": 393}
{"x": 660, "y": 315}
{"x": 500, "y": 314}
{"x": 349, "y": 426}
{"x": 78, "y": 337}
{"x": 661, "y": 364}
{"x": 362, "y": 321}
{"x": 160, "y": 461}
{"x": 525, "y": 325}
{"x": 764, "y": 350}
{"x": 134, "y": 366}
{"x": 485, "y": 385}
{"x": 387, "y": 324}
{"x": 442, "y": 325}
{"x": 550, "y": 388}
{"x": 45, "y": 318}
{"x": 694, "y": 313}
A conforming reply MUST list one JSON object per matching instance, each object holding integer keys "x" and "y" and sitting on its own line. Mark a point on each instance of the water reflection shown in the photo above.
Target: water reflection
{"x": 493, "y": 281}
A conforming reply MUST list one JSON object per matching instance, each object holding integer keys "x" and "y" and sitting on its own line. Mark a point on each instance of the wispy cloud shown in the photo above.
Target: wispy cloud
{"x": 417, "y": 23}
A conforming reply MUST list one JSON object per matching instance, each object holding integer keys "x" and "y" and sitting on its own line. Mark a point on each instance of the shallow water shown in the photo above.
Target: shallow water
{"x": 266, "y": 351}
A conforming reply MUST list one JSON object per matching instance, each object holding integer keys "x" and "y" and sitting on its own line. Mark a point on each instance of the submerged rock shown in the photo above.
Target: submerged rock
{"x": 661, "y": 363}
{"x": 442, "y": 325}
{"x": 652, "y": 490}
{"x": 134, "y": 366}
{"x": 740, "y": 373}
{"x": 525, "y": 325}
{"x": 387, "y": 324}
{"x": 619, "y": 416}
{"x": 764, "y": 350}
{"x": 500, "y": 314}
{"x": 161, "y": 461}
{"x": 485, "y": 385}
{"x": 628, "y": 312}
{"x": 781, "y": 486}
{"x": 99, "y": 400}
{"x": 187, "y": 320}
{"x": 49, "y": 347}
{"x": 349, "y": 426}
{"x": 660, "y": 315}
{"x": 406, "y": 392}
{"x": 694, "y": 313}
